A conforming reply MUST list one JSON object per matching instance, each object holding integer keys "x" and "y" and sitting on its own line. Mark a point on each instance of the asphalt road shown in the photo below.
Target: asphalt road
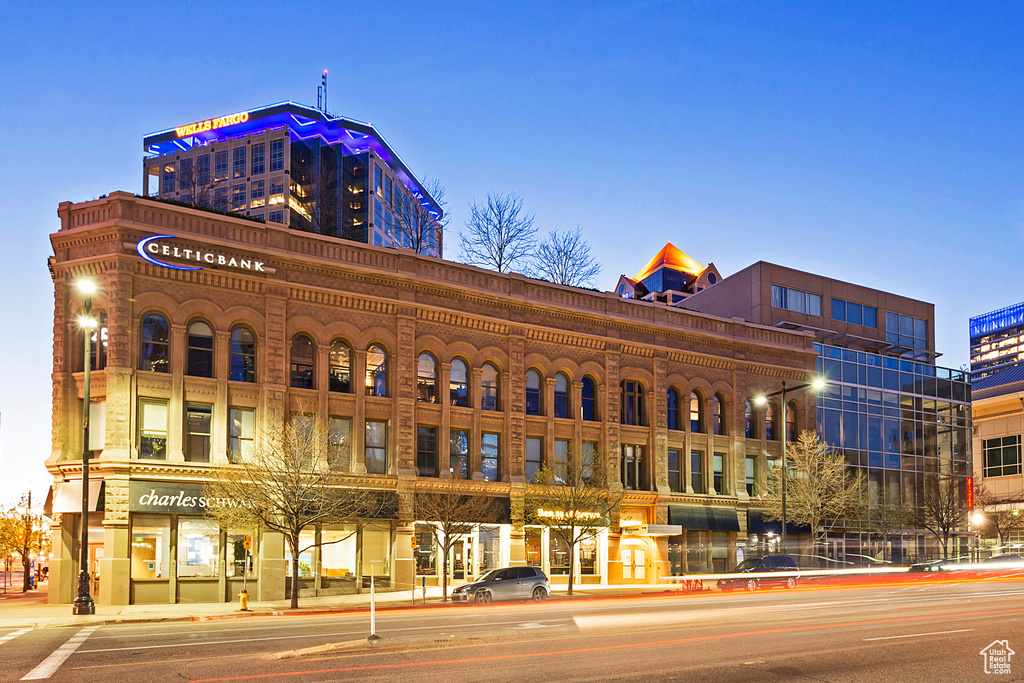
{"x": 925, "y": 632}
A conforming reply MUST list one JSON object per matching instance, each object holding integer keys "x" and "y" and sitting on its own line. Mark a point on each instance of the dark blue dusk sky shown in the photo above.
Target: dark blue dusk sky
{"x": 878, "y": 144}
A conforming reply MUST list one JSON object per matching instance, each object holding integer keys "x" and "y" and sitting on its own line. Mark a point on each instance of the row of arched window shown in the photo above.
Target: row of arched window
{"x": 199, "y": 362}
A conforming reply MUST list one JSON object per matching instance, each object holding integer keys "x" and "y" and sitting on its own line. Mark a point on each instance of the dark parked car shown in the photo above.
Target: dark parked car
{"x": 509, "y": 583}
{"x": 762, "y": 565}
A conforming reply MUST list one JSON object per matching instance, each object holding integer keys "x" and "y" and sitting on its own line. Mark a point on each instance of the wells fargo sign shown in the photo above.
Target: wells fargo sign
{"x": 210, "y": 124}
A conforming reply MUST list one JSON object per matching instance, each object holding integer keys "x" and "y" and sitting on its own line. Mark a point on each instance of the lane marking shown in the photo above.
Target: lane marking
{"x": 603, "y": 648}
{"x": 921, "y": 635}
{"x": 361, "y": 632}
{"x": 12, "y": 636}
{"x": 50, "y": 665}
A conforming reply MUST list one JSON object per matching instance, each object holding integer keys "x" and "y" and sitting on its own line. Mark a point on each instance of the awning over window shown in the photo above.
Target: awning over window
{"x": 67, "y": 497}
{"x": 757, "y": 524}
{"x": 703, "y": 518}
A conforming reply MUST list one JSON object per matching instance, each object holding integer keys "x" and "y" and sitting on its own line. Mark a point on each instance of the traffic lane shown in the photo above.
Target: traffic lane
{"x": 944, "y": 648}
{"x": 283, "y": 633}
{"x": 227, "y": 661}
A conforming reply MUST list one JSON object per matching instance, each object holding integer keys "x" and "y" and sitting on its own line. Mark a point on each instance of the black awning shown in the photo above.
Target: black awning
{"x": 723, "y": 519}
{"x": 703, "y": 518}
{"x": 757, "y": 523}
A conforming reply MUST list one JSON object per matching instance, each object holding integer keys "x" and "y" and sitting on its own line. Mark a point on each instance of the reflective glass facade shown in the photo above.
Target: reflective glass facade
{"x": 899, "y": 421}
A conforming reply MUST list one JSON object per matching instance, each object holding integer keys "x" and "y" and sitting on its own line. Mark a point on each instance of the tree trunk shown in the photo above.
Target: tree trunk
{"x": 26, "y": 565}
{"x": 572, "y": 562}
{"x": 293, "y": 541}
{"x": 443, "y": 570}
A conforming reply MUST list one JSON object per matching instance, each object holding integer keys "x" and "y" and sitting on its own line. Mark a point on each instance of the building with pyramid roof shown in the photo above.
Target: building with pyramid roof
{"x": 669, "y": 277}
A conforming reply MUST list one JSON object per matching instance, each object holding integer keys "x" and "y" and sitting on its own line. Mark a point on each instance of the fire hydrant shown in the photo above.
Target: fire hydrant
{"x": 243, "y": 600}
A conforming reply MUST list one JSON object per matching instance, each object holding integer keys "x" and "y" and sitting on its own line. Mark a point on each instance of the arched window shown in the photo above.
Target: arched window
{"x": 426, "y": 378}
{"x": 672, "y": 409}
{"x": 716, "y": 415}
{"x": 769, "y": 422}
{"x": 303, "y": 357}
{"x": 790, "y": 422}
{"x": 533, "y": 383}
{"x": 489, "y": 387}
{"x": 199, "y": 344}
{"x": 376, "y": 371}
{"x": 696, "y": 413}
{"x": 587, "y": 394}
{"x": 458, "y": 386}
{"x": 155, "y": 344}
{"x": 561, "y": 396}
{"x": 632, "y": 403}
{"x": 339, "y": 367}
{"x": 243, "y": 355}
{"x": 748, "y": 415}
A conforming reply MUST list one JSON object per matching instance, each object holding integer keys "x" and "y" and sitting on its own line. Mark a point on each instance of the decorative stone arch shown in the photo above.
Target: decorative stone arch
{"x": 204, "y": 308}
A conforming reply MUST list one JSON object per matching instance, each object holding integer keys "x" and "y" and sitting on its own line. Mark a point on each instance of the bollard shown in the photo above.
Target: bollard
{"x": 243, "y": 600}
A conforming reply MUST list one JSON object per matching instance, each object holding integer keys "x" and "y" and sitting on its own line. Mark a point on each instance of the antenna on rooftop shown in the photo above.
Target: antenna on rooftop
{"x": 321, "y": 93}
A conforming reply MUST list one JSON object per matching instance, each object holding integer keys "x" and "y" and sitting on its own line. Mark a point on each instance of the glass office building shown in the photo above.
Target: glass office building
{"x": 997, "y": 340}
{"x": 293, "y": 164}
{"x": 900, "y": 422}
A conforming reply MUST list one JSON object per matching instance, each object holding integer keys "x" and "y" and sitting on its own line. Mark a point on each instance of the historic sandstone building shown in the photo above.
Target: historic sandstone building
{"x": 419, "y": 368}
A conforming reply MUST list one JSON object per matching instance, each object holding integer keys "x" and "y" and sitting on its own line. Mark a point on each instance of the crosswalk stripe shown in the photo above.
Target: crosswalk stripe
{"x": 12, "y": 636}
{"x": 50, "y": 665}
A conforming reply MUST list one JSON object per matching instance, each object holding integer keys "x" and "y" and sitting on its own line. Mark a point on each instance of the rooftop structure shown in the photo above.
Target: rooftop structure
{"x": 669, "y": 277}
{"x": 997, "y": 340}
{"x": 301, "y": 166}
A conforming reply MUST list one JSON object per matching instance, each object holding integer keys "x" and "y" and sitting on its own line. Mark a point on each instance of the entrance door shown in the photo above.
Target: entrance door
{"x": 835, "y": 551}
{"x": 459, "y": 560}
{"x": 634, "y": 565}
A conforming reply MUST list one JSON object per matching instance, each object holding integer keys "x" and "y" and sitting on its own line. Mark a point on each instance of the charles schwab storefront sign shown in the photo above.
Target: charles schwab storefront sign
{"x": 152, "y": 496}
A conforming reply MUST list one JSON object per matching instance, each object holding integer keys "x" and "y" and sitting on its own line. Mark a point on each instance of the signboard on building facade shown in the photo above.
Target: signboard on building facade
{"x": 180, "y": 497}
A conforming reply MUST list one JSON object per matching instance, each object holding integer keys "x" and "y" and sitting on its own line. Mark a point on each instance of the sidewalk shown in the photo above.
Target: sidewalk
{"x": 30, "y": 610}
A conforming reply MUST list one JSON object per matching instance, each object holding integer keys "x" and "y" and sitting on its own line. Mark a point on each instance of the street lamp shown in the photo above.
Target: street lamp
{"x": 817, "y": 384}
{"x": 83, "y": 603}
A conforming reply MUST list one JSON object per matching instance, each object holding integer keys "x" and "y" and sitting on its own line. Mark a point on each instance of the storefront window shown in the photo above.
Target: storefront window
{"x": 151, "y": 546}
{"x": 235, "y": 563}
{"x": 490, "y": 546}
{"x": 377, "y": 549}
{"x": 675, "y": 555}
{"x": 558, "y": 554}
{"x": 198, "y": 547}
{"x": 426, "y": 550}
{"x": 587, "y": 550}
{"x": 338, "y": 552}
{"x": 532, "y": 539}
{"x": 306, "y": 541}
{"x": 696, "y": 552}
{"x": 719, "y": 550}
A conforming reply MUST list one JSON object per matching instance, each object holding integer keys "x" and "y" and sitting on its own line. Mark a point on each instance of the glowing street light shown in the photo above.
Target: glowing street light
{"x": 817, "y": 384}
{"x": 84, "y": 603}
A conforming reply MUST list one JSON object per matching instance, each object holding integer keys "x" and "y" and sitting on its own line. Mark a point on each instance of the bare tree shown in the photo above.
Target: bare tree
{"x": 887, "y": 516}
{"x": 288, "y": 483}
{"x": 450, "y": 512}
{"x": 820, "y": 489}
{"x": 1003, "y": 515}
{"x": 573, "y": 500}
{"x": 498, "y": 234}
{"x": 416, "y": 228}
{"x": 943, "y": 510}
{"x": 564, "y": 258}
{"x": 197, "y": 185}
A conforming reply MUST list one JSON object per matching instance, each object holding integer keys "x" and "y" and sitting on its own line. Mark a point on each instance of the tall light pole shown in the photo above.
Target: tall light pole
{"x": 83, "y": 603}
{"x": 818, "y": 384}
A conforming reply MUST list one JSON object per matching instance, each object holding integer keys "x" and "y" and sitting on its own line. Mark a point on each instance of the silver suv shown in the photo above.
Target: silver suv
{"x": 508, "y": 583}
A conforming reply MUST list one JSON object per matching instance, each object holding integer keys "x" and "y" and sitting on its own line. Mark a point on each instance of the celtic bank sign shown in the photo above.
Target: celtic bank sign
{"x": 158, "y": 248}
